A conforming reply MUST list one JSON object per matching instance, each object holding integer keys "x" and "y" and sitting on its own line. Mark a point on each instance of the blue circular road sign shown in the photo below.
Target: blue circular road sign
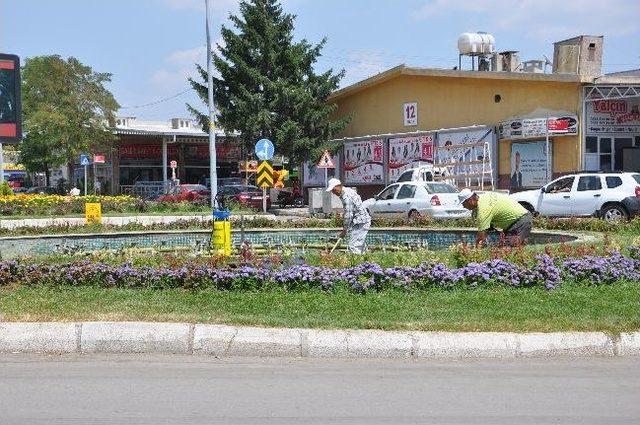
{"x": 264, "y": 149}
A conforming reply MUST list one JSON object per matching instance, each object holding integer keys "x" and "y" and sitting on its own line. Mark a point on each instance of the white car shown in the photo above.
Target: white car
{"x": 423, "y": 173}
{"x": 417, "y": 199}
{"x": 612, "y": 196}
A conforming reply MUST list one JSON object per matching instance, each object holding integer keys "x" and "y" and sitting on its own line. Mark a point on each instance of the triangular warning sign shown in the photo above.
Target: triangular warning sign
{"x": 326, "y": 161}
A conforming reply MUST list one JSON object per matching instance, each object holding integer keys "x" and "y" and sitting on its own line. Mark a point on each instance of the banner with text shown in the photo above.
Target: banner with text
{"x": 408, "y": 152}
{"x": 613, "y": 116}
{"x": 529, "y": 164}
{"x": 363, "y": 162}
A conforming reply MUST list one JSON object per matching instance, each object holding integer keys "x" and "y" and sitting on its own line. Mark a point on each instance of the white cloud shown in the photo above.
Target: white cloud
{"x": 179, "y": 66}
{"x": 547, "y": 19}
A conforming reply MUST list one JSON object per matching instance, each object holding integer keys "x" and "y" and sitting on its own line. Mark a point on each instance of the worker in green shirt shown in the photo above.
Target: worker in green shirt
{"x": 498, "y": 211}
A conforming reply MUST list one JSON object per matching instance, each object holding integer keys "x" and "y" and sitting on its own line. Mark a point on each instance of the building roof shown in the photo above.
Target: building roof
{"x": 133, "y": 126}
{"x": 628, "y": 73}
{"x": 451, "y": 73}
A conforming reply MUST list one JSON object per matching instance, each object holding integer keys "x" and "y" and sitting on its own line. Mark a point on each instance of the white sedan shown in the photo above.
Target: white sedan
{"x": 417, "y": 199}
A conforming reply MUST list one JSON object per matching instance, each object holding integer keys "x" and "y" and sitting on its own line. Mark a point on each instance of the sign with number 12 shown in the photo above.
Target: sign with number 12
{"x": 410, "y": 112}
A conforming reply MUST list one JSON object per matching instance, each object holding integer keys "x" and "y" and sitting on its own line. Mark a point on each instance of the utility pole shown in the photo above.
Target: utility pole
{"x": 213, "y": 175}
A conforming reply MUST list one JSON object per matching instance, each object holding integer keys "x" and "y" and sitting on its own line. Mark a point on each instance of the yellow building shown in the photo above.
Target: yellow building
{"x": 585, "y": 120}
{"x": 449, "y": 99}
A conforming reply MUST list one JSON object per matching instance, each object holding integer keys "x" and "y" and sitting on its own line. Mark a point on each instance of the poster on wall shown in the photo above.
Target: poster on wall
{"x": 462, "y": 152}
{"x": 535, "y": 127}
{"x": 363, "y": 162}
{"x": 408, "y": 152}
{"x": 613, "y": 116}
{"x": 313, "y": 176}
{"x": 529, "y": 164}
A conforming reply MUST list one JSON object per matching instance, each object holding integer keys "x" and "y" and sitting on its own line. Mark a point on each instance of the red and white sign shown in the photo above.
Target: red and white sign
{"x": 408, "y": 152}
{"x": 326, "y": 161}
{"x": 98, "y": 158}
{"x": 363, "y": 162}
{"x": 613, "y": 116}
{"x": 556, "y": 126}
{"x": 173, "y": 164}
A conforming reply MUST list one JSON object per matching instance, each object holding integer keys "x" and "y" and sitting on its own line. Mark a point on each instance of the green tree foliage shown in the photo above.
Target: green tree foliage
{"x": 66, "y": 109}
{"x": 267, "y": 86}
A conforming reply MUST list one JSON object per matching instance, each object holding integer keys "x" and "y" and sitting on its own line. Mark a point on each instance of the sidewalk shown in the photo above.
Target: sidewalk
{"x": 231, "y": 341}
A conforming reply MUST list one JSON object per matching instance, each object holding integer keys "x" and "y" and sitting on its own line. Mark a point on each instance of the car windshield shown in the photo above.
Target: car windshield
{"x": 636, "y": 177}
{"x": 440, "y": 188}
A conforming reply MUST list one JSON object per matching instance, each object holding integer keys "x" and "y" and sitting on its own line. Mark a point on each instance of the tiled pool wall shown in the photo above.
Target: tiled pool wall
{"x": 431, "y": 239}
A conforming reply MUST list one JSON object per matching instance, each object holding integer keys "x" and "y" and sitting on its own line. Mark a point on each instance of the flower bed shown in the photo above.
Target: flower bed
{"x": 543, "y": 272}
{"x": 56, "y": 205}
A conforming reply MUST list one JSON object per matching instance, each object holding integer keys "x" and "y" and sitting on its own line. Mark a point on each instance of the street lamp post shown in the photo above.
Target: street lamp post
{"x": 213, "y": 175}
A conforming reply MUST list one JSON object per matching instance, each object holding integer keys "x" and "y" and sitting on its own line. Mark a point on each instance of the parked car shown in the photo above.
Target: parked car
{"x": 423, "y": 173}
{"x": 247, "y": 195}
{"x": 42, "y": 190}
{"x": 186, "y": 192}
{"x": 415, "y": 200}
{"x": 611, "y": 196}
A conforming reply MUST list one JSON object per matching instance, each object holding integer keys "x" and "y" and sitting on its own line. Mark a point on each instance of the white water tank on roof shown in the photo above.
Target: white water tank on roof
{"x": 476, "y": 43}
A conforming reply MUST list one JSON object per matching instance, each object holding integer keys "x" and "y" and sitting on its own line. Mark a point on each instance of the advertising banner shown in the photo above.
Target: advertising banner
{"x": 10, "y": 104}
{"x": 527, "y": 128}
{"x": 462, "y": 151}
{"x": 613, "y": 116}
{"x": 408, "y": 152}
{"x": 529, "y": 164}
{"x": 363, "y": 162}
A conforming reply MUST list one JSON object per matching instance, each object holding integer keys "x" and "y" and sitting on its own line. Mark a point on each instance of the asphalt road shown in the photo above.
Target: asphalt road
{"x": 196, "y": 390}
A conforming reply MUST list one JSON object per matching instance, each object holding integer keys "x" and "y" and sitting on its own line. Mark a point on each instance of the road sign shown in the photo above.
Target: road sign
{"x": 93, "y": 213}
{"x": 264, "y": 178}
{"x": 264, "y": 149}
{"x": 173, "y": 164}
{"x": 98, "y": 159}
{"x": 84, "y": 160}
{"x": 326, "y": 161}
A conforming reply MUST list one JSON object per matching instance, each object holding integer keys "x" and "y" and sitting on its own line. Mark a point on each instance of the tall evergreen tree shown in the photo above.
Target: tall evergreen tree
{"x": 267, "y": 85}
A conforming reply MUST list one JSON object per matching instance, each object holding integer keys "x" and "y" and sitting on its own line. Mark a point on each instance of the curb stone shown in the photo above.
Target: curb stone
{"x": 223, "y": 341}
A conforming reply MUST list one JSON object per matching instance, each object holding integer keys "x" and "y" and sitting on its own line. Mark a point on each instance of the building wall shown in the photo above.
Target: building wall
{"x": 445, "y": 102}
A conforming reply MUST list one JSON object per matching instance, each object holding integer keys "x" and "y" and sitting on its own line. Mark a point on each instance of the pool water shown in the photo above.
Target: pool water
{"x": 269, "y": 238}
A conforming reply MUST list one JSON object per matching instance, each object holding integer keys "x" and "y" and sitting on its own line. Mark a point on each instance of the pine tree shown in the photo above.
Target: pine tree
{"x": 267, "y": 86}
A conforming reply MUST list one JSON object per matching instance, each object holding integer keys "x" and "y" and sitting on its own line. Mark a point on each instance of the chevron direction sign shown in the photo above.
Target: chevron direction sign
{"x": 264, "y": 178}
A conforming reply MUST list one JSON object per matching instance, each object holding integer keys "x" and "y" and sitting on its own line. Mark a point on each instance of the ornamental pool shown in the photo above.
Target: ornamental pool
{"x": 270, "y": 239}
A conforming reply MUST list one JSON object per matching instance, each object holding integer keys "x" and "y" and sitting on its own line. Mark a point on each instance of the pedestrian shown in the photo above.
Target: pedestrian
{"x": 498, "y": 211}
{"x": 357, "y": 221}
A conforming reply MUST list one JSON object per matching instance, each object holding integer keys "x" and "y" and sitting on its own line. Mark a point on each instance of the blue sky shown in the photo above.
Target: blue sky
{"x": 150, "y": 46}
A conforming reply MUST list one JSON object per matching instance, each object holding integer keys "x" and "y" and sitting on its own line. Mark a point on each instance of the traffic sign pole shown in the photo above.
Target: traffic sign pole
{"x": 264, "y": 199}
{"x": 85, "y": 179}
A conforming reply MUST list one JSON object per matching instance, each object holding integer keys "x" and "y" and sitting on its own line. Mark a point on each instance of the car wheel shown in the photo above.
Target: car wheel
{"x": 414, "y": 215}
{"x": 614, "y": 213}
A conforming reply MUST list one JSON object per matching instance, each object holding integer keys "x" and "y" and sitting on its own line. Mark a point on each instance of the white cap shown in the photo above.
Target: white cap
{"x": 332, "y": 184}
{"x": 464, "y": 195}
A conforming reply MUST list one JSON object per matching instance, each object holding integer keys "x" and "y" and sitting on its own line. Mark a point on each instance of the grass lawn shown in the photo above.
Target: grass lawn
{"x": 613, "y": 308}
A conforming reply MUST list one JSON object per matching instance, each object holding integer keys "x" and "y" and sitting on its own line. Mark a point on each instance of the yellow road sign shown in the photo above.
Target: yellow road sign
{"x": 264, "y": 176}
{"x": 93, "y": 213}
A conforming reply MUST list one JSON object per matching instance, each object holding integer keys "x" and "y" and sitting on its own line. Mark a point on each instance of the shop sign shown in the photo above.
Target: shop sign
{"x": 529, "y": 164}
{"x": 408, "y": 152}
{"x": 613, "y": 116}
{"x": 363, "y": 162}
{"x": 225, "y": 152}
{"x": 526, "y": 128}
{"x": 98, "y": 159}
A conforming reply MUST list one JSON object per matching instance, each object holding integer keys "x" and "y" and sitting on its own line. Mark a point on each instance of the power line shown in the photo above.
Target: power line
{"x": 157, "y": 102}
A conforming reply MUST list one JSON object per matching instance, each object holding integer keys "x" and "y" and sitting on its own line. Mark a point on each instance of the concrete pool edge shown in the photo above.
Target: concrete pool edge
{"x": 221, "y": 340}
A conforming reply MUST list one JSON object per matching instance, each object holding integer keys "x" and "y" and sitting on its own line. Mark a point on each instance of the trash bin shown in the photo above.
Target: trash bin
{"x": 221, "y": 237}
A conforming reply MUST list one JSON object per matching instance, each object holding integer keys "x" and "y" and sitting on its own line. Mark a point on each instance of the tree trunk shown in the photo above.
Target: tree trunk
{"x": 47, "y": 180}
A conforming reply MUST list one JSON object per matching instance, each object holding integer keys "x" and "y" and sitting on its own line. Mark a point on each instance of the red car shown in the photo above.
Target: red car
{"x": 187, "y": 193}
{"x": 244, "y": 194}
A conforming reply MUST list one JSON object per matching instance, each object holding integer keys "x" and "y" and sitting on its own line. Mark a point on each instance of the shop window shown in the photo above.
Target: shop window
{"x": 592, "y": 144}
{"x": 605, "y": 145}
{"x": 620, "y": 144}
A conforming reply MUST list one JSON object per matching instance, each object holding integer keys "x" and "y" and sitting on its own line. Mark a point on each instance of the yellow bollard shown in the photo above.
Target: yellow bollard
{"x": 221, "y": 238}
